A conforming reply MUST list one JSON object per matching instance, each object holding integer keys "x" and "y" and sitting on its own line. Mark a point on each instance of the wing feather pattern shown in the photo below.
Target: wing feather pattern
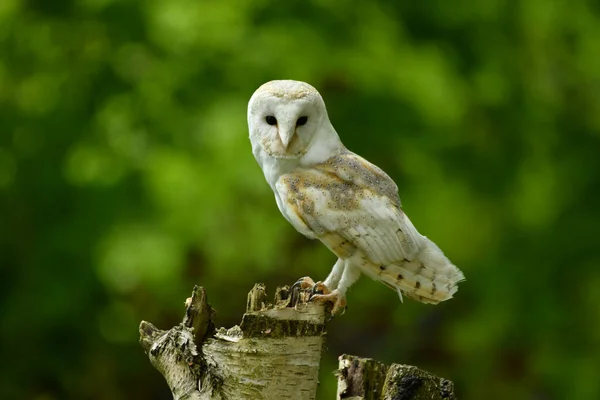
{"x": 358, "y": 201}
{"x": 353, "y": 207}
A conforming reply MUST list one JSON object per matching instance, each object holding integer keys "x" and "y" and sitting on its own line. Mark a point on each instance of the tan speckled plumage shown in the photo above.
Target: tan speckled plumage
{"x": 329, "y": 193}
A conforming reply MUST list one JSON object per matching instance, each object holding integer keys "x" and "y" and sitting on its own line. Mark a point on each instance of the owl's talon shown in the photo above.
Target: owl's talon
{"x": 334, "y": 315}
{"x": 336, "y": 298}
{"x": 319, "y": 288}
{"x": 305, "y": 282}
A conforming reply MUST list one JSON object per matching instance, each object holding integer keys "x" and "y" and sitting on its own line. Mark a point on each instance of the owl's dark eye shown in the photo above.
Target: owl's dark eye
{"x": 271, "y": 120}
{"x": 301, "y": 121}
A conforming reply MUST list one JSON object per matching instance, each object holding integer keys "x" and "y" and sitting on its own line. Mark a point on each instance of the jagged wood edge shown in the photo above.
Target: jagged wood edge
{"x": 176, "y": 354}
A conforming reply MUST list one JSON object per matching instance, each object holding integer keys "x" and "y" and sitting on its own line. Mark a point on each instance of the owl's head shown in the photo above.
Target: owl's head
{"x": 285, "y": 117}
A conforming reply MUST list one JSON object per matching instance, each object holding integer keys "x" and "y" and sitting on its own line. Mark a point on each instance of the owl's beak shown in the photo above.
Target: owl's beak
{"x": 286, "y": 136}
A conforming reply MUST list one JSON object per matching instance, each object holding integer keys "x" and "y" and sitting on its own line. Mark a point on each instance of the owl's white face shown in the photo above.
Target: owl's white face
{"x": 284, "y": 117}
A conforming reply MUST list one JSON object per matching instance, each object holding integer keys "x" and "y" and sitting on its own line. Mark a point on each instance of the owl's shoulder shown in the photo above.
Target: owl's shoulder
{"x": 344, "y": 179}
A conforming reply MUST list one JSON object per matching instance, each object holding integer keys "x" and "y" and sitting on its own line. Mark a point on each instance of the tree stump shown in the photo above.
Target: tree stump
{"x": 367, "y": 379}
{"x": 273, "y": 354}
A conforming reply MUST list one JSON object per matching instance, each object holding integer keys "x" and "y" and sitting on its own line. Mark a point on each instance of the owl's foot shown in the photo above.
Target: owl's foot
{"x": 319, "y": 288}
{"x": 336, "y": 298}
{"x": 305, "y": 282}
{"x": 320, "y": 293}
{"x": 315, "y": 288}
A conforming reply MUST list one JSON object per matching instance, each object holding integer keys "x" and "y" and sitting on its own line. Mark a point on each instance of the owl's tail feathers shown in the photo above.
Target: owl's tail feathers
{"x": 429, "y": 278}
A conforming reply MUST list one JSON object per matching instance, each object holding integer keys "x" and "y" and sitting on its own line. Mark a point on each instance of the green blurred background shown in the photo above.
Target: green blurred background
{"x": 126, "y": 177}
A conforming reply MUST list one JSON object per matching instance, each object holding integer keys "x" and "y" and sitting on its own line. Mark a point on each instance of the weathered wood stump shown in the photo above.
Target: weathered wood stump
{"x": 367, "y": 379}
{"x": 273, "y": 354}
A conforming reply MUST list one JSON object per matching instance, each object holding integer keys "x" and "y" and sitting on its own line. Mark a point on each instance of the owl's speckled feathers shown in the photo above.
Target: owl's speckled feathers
{"x": 329, "y": 193}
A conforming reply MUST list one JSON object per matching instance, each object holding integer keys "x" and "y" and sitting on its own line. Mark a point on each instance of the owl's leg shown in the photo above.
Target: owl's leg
{"x": 331, "y": 282}
{"x": 350, "y": 275}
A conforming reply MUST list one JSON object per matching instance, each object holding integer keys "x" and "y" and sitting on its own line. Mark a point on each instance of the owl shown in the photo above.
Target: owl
{"x": 329, "y": 193}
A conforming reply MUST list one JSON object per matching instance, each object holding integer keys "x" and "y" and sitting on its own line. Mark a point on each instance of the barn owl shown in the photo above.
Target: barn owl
{"x": 329, "y": 193}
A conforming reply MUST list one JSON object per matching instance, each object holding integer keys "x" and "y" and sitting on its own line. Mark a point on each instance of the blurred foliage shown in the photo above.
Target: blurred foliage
{"x": 126, "y": 177}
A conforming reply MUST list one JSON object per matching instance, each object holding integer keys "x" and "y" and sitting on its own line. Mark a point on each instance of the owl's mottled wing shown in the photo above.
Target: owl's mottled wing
{"x": 349, "y": 204}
